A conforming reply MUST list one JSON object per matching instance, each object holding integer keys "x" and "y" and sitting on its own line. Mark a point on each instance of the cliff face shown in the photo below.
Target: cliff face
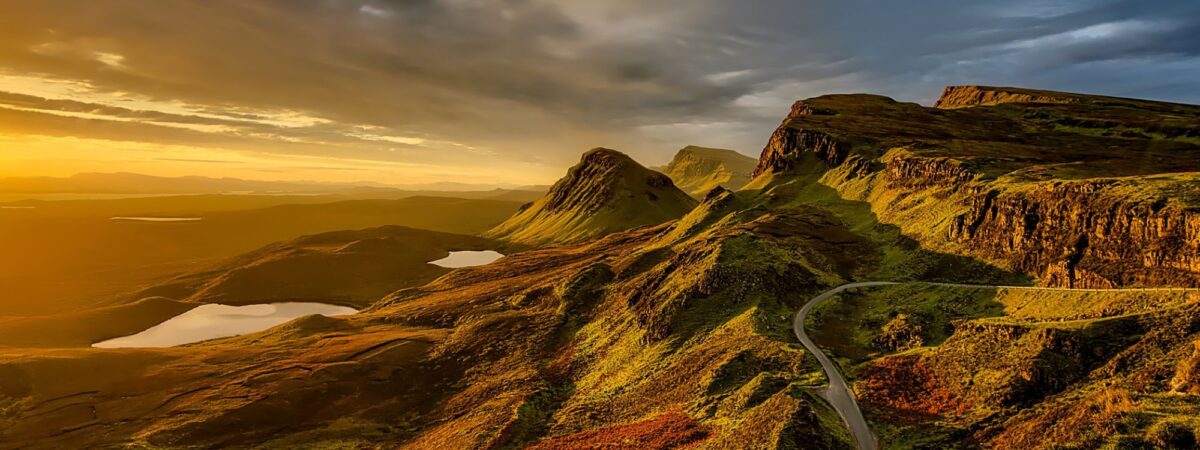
{"x": 967, "y": 96}
{"x": 1085, "y": 234}
{"x": 606, "y": 192}
{"x": 1076, "y": 190}
{"x": 697, "y": 170}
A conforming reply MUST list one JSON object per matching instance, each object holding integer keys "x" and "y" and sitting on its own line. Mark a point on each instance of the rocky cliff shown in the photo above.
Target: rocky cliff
{"x": 606, "y": 192}
{"x": 954, "y": 97}
{"x": 697, "y": 170}
{"x": 1076, "y": 190}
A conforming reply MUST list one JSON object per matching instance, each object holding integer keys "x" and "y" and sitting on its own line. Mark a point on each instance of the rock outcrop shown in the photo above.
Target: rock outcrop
{"x": 606, "y": 192}
{"x": 1076, "y": 190}
{"x": 967, "y": 96}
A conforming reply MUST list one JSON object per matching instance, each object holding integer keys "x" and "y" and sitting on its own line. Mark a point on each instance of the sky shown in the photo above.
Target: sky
{"x": 513, "y": 91}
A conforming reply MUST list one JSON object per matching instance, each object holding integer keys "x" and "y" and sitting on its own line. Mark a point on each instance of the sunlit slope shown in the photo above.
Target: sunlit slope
{"x": 1076, "y": 190}
{"x": 675, "y": 333}
{"x": 665, "y": 336}
{"x": 1019, "y": 368}
{"x": 697, "y": 170}
{"x": 58, "y": 260}
{"x": 606, "y": 192}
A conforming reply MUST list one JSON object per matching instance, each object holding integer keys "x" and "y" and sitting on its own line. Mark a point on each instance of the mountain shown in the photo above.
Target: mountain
{"x": 1074, "y": 190}
{"x": 658, "y": 337}
{"x": 1077, "y": 190}
{"x": 697, "y": 170}
{"x": 680, "y": 334}
{"x": 606, "y": 192}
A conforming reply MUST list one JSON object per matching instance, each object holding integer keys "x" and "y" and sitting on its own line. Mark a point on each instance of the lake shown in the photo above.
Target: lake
{"x": 213, "y": 321}
{"x": 468, "y": 259}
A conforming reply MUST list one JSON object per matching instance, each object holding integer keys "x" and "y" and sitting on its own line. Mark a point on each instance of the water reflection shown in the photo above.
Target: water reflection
{"x": 468, "y": 259}
{"x": 214, "y": 321}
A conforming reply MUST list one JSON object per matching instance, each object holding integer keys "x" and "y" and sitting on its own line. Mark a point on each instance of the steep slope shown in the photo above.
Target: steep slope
{"x": 606, "y": 192}
{"x": 1076, "y": 190}
{"x": 697, "y": 170}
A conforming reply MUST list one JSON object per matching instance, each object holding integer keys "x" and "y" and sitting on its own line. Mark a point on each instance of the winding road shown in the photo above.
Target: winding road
{"x": 838, "y": 394}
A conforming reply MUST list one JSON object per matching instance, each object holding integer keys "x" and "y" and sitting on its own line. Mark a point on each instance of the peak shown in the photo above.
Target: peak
{"x": 599, "y": 153}
{"x": 606, "y": 192}
{"x": 601, "y": 164}
{"x": 698, "y": 150}
{"x": 698, "y": 169}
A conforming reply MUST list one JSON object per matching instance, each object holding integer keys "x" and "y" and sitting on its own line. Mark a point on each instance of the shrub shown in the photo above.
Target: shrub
{"x": 900, "y": 334}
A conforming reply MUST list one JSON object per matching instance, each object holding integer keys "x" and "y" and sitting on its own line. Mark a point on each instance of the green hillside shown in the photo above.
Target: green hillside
{"x": 606, "y": 192}
{"x": 697, "y": 170}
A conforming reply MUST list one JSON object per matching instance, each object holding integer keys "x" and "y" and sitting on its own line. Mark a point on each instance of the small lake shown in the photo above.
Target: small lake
{"x": 468, "y": 259}
{"x": 155, "y": 219}
{"x": 213, "y": 321}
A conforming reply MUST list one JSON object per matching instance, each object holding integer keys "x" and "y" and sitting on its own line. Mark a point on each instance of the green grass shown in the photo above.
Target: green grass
{"x": 851, "y": 323}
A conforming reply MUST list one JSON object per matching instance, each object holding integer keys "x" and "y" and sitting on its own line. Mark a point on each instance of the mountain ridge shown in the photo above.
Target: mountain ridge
{"x": 1065, "y": 191}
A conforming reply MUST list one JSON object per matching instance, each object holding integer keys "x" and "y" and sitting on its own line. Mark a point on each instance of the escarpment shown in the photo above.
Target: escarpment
{"x": 1085, "y": 234}
{"x": 1010, "y": 183}
{"x": 968, "y": 96}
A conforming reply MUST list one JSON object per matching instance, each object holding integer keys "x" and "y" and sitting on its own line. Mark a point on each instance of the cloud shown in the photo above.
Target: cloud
{"x": 531, "y": 83}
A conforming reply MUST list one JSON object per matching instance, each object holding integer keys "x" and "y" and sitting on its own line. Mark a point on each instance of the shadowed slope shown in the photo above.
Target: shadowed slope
{"x": 353, "y": 267}
{"x": 347, "y": 267}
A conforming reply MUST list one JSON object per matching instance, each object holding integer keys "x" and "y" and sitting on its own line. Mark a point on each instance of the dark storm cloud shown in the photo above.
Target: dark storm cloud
{"x": 535, "y": 80}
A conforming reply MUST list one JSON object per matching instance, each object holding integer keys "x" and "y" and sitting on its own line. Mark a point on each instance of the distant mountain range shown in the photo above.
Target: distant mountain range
{"x": 132, "y": 183}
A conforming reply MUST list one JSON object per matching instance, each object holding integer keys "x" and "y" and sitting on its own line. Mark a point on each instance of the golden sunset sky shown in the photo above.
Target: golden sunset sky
{"x": 512, "y": 91}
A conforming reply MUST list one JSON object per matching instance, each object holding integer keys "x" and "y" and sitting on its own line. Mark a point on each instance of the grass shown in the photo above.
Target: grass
{"x": 852, "y": 323}
{"x": 605, "y": 193}
{"x": 1004, "y": 366}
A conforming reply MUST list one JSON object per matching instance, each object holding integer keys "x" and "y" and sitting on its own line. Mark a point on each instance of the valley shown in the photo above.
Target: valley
{"x": 1010, "y": 269}
{"x": 66, "y": 255}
